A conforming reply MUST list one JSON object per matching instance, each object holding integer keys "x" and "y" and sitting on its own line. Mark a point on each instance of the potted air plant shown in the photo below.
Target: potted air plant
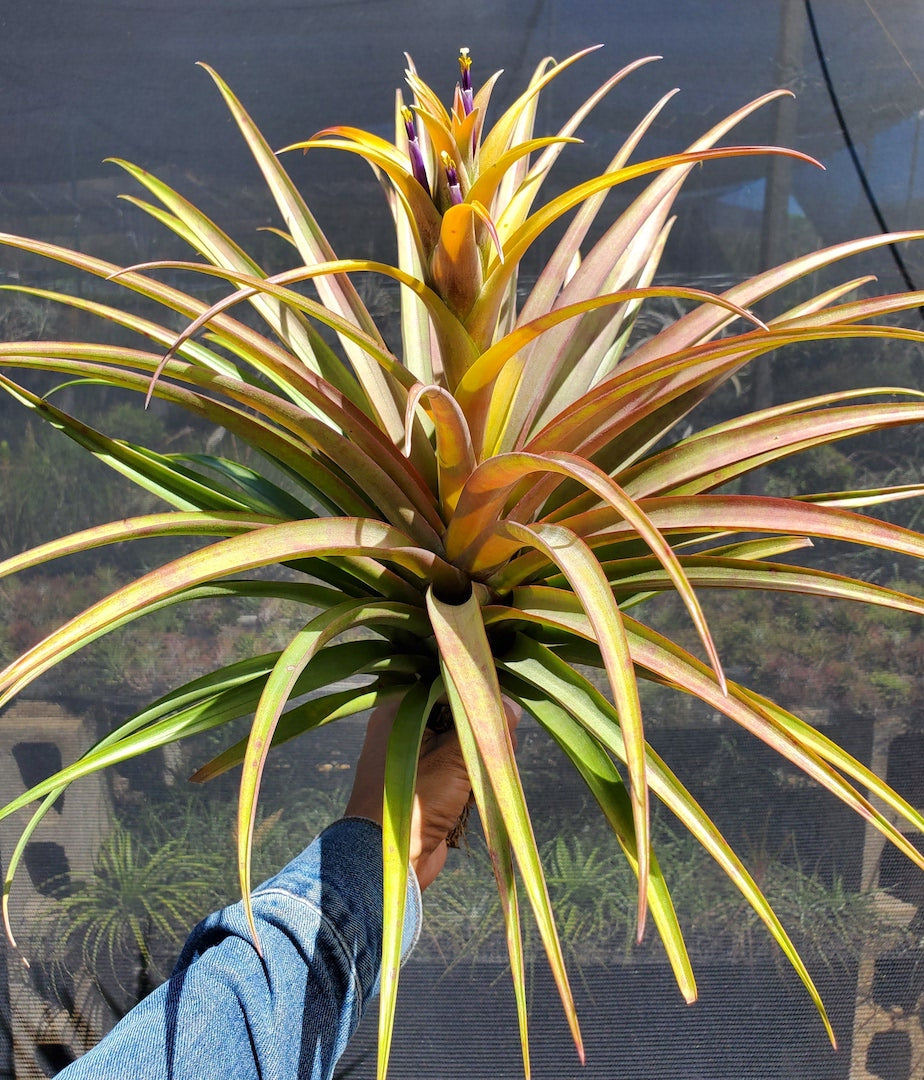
{"x": 492, "y": 499}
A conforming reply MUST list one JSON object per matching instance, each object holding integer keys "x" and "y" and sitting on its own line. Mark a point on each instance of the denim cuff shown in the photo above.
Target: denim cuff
{"x": 413, "y": 905}
{"x": 229, "y": 1010}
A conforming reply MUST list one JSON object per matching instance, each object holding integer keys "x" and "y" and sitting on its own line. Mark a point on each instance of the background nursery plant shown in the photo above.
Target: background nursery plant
{"x": 493, "y": 498}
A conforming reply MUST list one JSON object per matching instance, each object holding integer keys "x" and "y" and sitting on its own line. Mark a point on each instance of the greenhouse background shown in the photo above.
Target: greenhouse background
{"x": 86, "y": 81}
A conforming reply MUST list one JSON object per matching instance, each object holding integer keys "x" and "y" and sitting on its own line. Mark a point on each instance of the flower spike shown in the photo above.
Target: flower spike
{"x": 466, "y": 94}
{"x": 418, "y": 168}
{"x": 452, "y": 178}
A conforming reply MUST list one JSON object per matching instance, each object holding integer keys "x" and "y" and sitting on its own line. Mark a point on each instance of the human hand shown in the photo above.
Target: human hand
{"x": 443, "y": 788}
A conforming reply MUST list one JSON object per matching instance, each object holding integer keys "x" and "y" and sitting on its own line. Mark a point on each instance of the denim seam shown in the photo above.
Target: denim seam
{"x": 414, "y": 900}
{"x": 354, "y": 976}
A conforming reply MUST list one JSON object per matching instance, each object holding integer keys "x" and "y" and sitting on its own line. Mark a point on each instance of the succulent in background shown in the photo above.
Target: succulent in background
{"x": 493, "y": 499}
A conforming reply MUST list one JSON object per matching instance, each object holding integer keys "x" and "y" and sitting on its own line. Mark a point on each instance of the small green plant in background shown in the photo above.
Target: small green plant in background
{"x": 491, "y": 500}
{"x": 594, "y": 898}
{"x": 122, "y": 925}
{"x": 42, "y": 478}
{"x": 163, "y": 867}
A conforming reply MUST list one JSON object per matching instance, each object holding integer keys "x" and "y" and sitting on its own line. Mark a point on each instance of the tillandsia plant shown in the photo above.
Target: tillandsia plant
{"x": 493, "y": 499}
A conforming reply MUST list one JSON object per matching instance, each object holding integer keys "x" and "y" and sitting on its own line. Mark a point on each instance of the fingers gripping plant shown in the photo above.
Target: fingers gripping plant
{"x": 493, "y": 500}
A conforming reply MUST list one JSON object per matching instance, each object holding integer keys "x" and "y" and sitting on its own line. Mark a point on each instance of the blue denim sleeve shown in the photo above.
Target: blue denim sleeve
{"x": 227, "y": 1014}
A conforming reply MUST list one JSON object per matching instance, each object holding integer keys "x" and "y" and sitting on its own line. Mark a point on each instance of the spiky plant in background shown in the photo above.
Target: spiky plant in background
{"x": 492, "y": 500}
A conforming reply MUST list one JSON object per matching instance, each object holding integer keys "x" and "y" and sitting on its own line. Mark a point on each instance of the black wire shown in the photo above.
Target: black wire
{"x": 852, "y": 150}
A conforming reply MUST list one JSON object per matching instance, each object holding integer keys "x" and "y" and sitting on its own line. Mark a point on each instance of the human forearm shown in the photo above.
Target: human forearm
{"x": 228, "y": 1013}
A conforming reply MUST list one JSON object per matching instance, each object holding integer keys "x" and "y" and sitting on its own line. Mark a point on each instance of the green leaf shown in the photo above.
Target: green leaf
{"x": 467, "y": 661}
{"x": 128, "y": 741}
{"x": 287, "y": 437}
{"x": 193, "y": 351}
{"x": 794, "y": 740}
{"x": 176, "y": 523}
{"x": 605, "y": 784}
{"x": 835, "y": 755}
{"x": 717, "y": 455}
{"x": 145, "y": 468}
{"x": 592, "y": 592}
{"x": 279, "y": 687}
{"x": 210, "y": 241}
{"x": 497, "y": 841}
{"x": 276, "y": 543}
{"x": 400, "y": 783}
{"x": 595, "y": 713}
{"x": 791, "y": 738}
{"x": 260, "y": 489}
{"x": 320, "y": 711}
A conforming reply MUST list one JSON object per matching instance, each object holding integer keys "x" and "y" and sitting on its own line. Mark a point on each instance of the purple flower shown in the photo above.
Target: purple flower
{"x": 452, "y": 178}
{"x": 465, "y": 81}
{"x": 413, "y": 150}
